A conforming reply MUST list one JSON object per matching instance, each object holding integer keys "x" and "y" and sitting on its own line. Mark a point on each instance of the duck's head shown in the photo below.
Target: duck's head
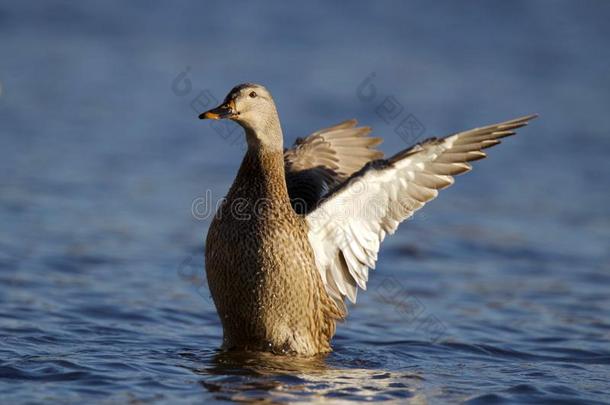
{"x": 252, "y": 107}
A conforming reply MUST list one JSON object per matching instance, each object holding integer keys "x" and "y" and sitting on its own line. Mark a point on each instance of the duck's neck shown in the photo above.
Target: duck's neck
{"x": 264, "y": 133}
{"x": 261, "y": 175}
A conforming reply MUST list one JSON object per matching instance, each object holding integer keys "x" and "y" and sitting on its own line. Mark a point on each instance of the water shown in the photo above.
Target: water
{"x": 496, "y": 292}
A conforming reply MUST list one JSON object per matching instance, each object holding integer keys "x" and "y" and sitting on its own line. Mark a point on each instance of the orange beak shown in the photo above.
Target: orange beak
{"x": 225, "y": 110}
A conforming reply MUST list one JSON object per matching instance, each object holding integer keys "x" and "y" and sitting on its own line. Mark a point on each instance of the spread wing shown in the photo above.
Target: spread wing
{"x": 324, "y": 159}
{"x": 348, "y": 225}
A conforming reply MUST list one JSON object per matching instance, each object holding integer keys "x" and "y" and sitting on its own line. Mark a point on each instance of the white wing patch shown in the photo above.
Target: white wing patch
{"x": 348, "y": 226}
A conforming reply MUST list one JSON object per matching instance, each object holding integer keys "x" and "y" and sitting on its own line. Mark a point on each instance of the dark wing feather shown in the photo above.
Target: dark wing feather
{"x": 324, "y": 159}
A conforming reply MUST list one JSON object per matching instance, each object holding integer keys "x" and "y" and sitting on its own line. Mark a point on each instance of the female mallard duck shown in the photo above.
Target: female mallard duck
{"x": 300, "y": 228}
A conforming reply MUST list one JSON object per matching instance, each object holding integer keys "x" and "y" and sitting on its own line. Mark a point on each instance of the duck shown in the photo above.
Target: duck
{"x": 300, "y": 228}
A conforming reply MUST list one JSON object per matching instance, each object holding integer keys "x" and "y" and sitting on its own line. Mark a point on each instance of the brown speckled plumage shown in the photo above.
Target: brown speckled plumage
{"x": 300, "y": 229}
{"x": 261, "y": 268}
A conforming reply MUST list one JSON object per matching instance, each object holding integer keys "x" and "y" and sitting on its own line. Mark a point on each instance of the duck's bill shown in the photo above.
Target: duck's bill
{"x": 225, "y": 110}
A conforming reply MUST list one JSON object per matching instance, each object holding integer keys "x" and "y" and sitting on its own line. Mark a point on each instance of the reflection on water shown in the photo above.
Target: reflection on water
{"x": 101, "y": 259}
{"x": 248, "y": 377}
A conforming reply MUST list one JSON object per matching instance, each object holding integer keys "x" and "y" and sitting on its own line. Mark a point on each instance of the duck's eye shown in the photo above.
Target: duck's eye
{"x": 252, "y": 94}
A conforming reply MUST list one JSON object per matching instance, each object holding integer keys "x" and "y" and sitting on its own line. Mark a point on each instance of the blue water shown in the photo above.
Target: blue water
{"x": 496, "y": 292}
